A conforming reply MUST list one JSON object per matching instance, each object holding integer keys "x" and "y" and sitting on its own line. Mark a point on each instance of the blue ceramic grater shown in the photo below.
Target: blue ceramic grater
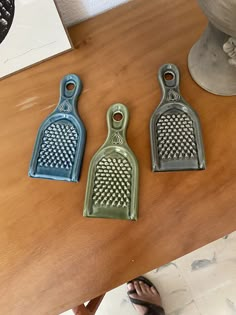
{"x": 59, "y": 147}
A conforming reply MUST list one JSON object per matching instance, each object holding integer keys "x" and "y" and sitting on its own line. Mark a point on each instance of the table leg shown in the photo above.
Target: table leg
{"x": 90, "y": 309}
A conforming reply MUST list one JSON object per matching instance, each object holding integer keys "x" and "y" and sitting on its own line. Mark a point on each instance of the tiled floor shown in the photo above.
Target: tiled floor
{"x": 200, "y": 283}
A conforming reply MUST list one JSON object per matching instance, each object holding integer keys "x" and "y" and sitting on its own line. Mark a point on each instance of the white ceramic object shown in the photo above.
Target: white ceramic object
{"x": 212, "y": 60}
{"x": 36, "y": 33}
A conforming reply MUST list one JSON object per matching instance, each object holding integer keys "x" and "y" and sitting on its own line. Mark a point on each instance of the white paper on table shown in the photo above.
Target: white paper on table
{"x": 36, "y": 34}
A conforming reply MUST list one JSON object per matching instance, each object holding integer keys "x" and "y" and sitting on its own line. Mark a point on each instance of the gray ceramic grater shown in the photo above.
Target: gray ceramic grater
{"x": 176, "y": 138}
{"x": 112, "y": 185}
{"x": 59, "y": 147}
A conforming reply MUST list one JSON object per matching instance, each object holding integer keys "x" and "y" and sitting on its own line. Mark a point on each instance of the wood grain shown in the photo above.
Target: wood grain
{"x": 51, "y": 258}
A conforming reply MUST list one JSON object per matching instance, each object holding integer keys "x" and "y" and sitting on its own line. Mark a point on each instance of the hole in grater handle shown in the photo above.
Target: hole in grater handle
{"x": 117, "y": 116}
{"x": 169, "y": 78}
{"x": 70, "y": 86}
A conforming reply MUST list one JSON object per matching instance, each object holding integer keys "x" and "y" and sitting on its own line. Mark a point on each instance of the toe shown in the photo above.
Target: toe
{"x": 154, "y": 291}
{"x": 131, "y": 290}
{"x": 137, "y": 288}
{"x": 130, "y": 286}
{"x": 144, "y": 287}
{"x": 149, "y": 290}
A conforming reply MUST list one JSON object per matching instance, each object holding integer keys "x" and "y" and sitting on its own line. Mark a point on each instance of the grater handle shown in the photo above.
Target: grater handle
{"x": 117, "y": 121}
{"x": 169, "y": 78}
{"x": 70, "y": 89}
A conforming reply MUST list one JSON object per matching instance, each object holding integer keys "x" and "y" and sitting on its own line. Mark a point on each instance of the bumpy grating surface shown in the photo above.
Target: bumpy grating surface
{"x": 6, "y": 17}
{"x": 175, "y": 135}
{"x": 112, "y": 185}
{"x": 58, "y": 146}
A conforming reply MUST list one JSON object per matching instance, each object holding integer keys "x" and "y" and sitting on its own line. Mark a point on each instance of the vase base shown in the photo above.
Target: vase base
{"x": 209, "y": 65}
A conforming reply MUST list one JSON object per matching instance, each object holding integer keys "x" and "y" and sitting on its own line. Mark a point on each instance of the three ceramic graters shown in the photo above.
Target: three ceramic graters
{"x": 112, "y": 184}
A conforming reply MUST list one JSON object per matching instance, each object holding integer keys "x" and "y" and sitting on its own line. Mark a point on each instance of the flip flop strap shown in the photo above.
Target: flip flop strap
{"x": 152, "y": 308}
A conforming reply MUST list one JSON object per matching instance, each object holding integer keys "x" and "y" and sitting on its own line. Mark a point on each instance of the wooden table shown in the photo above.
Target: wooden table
{"x": 51, "y": 257}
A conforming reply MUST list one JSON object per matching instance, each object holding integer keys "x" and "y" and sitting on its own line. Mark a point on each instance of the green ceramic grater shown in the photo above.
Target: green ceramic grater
{"x": 112, "y": 185}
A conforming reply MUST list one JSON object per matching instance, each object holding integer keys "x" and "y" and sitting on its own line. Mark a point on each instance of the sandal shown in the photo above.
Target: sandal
{"x": 153, "y": 309}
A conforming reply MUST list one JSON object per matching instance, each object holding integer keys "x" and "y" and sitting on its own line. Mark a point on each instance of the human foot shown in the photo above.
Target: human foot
{"x": 144, "y": 297}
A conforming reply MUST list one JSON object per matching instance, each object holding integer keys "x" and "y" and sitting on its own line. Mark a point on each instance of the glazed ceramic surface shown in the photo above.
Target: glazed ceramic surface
{"x": 212, "y": 60}
{"x": 59, "y": 147}
{"x": 176, "y": 137}
{"x": 112, "y": 185}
